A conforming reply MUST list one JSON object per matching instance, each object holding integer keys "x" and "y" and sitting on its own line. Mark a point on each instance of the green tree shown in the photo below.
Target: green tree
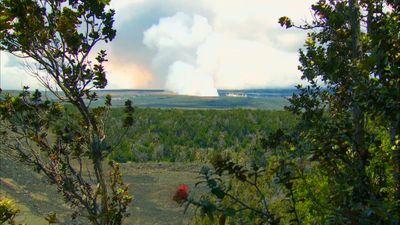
{"x": 59, "y": 36}
{"x": 350, "y": 105}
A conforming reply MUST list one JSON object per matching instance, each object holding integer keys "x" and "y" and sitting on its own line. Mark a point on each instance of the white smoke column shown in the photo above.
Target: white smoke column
{"x": 185, "y": 79}
{"x": 176, "y": 40}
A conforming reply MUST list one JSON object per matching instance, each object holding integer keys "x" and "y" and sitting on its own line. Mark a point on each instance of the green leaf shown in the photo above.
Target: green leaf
{"x": 218, "y": 192}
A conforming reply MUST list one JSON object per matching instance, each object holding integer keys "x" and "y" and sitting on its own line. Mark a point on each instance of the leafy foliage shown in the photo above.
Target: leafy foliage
{"x": 59, "y": 36}
{"x": 8, "y": 211}
{"x": 345, "y": 123}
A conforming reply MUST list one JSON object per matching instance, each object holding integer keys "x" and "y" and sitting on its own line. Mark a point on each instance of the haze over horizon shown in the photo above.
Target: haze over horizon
{"x": 195, "y": 48}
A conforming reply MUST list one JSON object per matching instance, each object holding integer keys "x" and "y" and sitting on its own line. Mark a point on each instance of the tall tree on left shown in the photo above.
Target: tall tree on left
{"x": 68, "y": 146}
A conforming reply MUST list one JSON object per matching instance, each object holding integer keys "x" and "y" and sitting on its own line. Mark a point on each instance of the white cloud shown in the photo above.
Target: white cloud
{"x": 239, "y": 63}
{"x": 13, "y": 75}
{"x": 257, "y": 54}
{"x": 176, "y": 40}
{"x": 232, "y": 44}
{"x": 178, "y": 31}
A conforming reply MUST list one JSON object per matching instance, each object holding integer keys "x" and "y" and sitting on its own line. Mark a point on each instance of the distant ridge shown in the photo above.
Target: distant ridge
{"x": 258, "y": 92}
{"x": 222, "y": 92}
{"x": 131, "y": 90}
{"x": 270, "y": 99}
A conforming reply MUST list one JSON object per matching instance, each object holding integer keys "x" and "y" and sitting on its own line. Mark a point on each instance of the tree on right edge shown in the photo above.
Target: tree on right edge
{"x": 351, "y": 106}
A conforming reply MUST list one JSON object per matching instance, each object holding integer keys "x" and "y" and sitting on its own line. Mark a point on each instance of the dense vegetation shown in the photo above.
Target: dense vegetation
{"x": 190, "y": 135}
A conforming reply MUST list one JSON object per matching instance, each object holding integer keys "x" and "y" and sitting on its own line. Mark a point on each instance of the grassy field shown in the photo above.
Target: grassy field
{"x": 151, "y": 184}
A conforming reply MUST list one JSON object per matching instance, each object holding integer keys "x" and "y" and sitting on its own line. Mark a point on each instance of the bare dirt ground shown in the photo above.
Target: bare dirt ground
{"x": 151, "y": 184}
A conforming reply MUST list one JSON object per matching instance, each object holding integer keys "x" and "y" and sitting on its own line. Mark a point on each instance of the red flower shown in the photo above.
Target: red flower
{"x": 181, "y": 193}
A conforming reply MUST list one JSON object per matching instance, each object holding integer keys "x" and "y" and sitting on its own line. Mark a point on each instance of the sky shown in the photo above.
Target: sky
{"x": 195, "y": 47}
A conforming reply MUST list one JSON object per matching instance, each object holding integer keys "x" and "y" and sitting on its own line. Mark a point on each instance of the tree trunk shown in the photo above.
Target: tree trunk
{"x": 358, "y": 114}
{"x": 363, "y": 191}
